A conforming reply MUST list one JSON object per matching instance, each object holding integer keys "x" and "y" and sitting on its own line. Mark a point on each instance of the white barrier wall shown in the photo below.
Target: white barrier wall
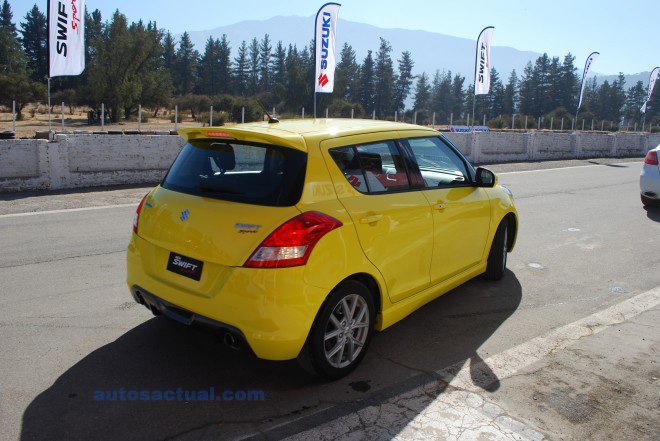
{"x": 75, "y": 161}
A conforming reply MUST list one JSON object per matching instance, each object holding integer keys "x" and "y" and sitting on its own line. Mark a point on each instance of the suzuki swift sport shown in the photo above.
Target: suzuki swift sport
{"x": 299, "y": 239}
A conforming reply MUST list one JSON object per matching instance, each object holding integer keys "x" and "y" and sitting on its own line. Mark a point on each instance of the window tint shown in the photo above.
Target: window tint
{"x": 437, "y": 163}
{"x": 372, "y": 168}
{"x": 252, "y": 174}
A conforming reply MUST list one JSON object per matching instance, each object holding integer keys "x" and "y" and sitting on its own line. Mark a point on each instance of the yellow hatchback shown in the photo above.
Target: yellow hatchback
{"x": 300, "y": 238}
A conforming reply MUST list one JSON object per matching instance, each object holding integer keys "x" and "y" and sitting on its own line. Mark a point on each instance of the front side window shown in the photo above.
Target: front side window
{"x": 251, "y": 174}
{"x": 438, "y": 165}
{"x": 372, "y": 168}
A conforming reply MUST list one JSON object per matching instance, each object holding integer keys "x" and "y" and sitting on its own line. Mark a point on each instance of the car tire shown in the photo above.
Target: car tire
{"x": 337, "y": 343}
{"x": 498, "y": 253}
{"x": 648, "y": 202}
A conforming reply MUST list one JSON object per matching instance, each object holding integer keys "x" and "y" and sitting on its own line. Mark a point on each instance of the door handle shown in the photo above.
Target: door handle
{"x": 371, "y": 219}
{"x": 439, "y": 206}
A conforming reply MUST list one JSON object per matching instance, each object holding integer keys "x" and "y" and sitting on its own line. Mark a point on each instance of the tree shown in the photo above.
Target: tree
{"x": 185, "y": 66}
{"x": 224, "y": 65}
{"x": 128, "y": 68}
{"x": 240, "y": 71}
{"x": 422, "y": 92}
{"x": 208, "y": 68}
{"x": 265, "y": 53}
{"x": 442, "y": 99}
{"x": 34, "y": 39}
{"x": 510, "y": 95}
{"x": 253, "y": 76}
{"x": 169, "y": 52}
{"x": 569, "y": 82}
{"x": 347, "y": 75}
{"x": 278, "y": 67}
{"x": 384, "y": 81}
{"x": 12, "y": 58}
{"x": 16, "y": 87}
{"x": 634, "y": 101}
{"x": 496, "y": 96}
{"x": 458, "y": 95}
{"x": 404, "y": 80}
{"x": 367, "y": 86}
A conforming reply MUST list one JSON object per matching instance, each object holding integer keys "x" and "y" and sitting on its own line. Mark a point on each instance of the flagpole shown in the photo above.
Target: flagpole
{"x": 49, "y": 123}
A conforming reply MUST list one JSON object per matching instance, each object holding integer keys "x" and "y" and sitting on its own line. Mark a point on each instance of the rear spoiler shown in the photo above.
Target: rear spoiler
{"x": 256, "y": 133}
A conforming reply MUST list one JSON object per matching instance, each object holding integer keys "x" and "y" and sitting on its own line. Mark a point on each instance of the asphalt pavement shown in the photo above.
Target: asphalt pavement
{"x": 564, "y": 347}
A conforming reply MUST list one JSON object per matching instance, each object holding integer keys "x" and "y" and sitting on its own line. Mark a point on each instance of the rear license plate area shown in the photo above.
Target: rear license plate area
{"x": 185, "y": 266}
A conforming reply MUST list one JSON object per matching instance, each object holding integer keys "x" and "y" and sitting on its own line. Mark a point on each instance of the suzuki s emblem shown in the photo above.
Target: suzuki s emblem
{"x": 184, "y": 215}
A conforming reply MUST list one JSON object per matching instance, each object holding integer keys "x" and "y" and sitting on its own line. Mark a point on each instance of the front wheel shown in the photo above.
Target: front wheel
{"x": 498, "y": 253}
{"x": 341, "y": 335}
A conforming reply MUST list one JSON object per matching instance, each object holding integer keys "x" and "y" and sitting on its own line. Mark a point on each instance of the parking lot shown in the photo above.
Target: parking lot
{"x": 566, "y": 346}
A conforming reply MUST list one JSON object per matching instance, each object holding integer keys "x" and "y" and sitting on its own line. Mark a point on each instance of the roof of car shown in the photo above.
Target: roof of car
{"x": 292, "y": 132}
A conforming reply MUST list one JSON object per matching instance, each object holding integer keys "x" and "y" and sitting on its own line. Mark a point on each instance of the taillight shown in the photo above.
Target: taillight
{"x": 136, "y": 218}
{"x": 651, "y": 158}
{"x": 292, "y": 242}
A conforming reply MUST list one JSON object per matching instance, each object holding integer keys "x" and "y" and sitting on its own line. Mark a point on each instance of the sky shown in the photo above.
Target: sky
{"x": 623, "y": 32}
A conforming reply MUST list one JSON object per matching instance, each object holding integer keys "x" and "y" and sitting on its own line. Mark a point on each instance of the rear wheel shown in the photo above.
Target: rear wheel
{"x": 341, "y": 335}
{"x": 498, "y": 253}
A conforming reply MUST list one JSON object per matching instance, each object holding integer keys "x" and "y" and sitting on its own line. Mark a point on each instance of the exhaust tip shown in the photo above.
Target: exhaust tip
{"x": 138, "y": 297}
{"x": 230, "y": 341}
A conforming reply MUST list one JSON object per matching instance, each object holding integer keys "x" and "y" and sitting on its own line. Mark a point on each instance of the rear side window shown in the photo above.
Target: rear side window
{"x": 238, "y": 172}
{"x": 372, "y": 168}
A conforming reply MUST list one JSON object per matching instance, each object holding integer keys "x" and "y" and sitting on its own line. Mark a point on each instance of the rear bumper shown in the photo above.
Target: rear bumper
{"x": 271, "y": 310}
{"x": 649, "y": 181}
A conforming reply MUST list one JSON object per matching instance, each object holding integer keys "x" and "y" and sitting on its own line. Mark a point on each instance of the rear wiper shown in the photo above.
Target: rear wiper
{"x": 205, "y": 188}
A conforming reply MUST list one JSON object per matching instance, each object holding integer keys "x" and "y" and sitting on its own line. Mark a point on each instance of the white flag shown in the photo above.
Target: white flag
{"x": 654, "y": 76}
{"x": 325, "y": 37}
{"x": 482, "y": 64}
{"x": 590, "y": 59}
{"x": 66, "y": 37}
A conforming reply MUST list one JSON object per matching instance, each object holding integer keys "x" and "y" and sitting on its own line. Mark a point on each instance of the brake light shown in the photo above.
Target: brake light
{"x": 292, "y": 242}
{"x": 218, "y": 134}
{"x": 136, "y": 218}
{"x": 651, "y": 158}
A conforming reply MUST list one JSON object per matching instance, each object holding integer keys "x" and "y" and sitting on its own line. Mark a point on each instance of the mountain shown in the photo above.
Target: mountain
{"x": 431, "y": 51}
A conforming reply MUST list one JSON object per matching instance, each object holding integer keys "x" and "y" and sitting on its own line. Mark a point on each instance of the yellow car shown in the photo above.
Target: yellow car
{"x": 300, "y": 238}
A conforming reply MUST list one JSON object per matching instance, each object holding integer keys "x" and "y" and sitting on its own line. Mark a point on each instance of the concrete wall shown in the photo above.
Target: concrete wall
{"x": 75, "y": 161}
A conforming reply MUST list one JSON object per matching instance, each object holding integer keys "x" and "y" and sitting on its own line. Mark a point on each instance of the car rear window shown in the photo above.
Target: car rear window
{"x": 239, "y": 172}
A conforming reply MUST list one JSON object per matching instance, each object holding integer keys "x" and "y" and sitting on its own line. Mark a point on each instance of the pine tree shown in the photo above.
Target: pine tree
{"x": 253, "y": 69}
{"x": 265, "y": 54}
{"x": 458, "y": 95}
{"x": 34, "y": 39}
{"x": 634, "y": 101}
{"x": 12, "y": 58}
{"x": 278, "y": 67}
{"x": 169, "y": 52}
{"x": 404, "y": 80}
{"x": 422, "y": 92}
{"x": 384, "y": 81}
{"x": 185, "y": 73}
{"x": 347, "y": 75}
{"x": 569, "y": 83}
{"x": 527, "y": 91}
{"x": 367, "y": 85}
{"x": 208, "y": 68}
{"x": 509, "y": 105}
{"x": 496, "y": 96}
{"x": 442, "y": 99}
{"x": 224, "y": 65}
{"x": 241, "y": 71}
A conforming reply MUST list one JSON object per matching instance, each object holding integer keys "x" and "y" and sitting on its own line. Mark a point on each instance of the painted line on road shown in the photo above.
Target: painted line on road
{"x": 567, "y": 167}
{"x": 446, "y": 411}
{"x": 509, "y": 362}
{"x": 67, "y": 210}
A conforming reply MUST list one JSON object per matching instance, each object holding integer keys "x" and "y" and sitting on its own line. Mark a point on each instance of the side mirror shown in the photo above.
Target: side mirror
{"x": 485, "y": 178}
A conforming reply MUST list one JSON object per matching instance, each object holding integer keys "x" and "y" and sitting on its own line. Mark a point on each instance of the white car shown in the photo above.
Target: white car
{"x": 649, "y": 180}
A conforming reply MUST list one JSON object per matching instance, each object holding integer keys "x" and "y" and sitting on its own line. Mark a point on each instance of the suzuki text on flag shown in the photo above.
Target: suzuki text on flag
{"x": 325, "y": 33}
{"x": 482, "y": 65}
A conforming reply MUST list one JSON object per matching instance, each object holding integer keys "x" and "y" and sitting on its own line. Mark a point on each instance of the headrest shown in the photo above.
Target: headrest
{"x": 371, "y": 161}
{"x": 224, "y": 154}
